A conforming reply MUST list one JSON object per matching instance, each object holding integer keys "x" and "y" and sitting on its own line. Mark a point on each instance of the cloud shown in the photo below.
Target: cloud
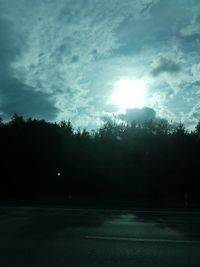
{"x": 166, "y": 66}
{"x": 192, "y": 117}
{"x": 191, "y": 32}
{"x": 195, "y": 70}
{"x": 59, "y": 42}
{"x": 67, "y": 56}
{"x": 138, "y": 115}
{"x": 18, "y": 98}
{"x": 15, "y": 96}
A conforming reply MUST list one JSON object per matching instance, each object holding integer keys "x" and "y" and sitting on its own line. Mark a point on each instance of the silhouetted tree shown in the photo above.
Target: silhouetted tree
{"x": 150, "y": 159}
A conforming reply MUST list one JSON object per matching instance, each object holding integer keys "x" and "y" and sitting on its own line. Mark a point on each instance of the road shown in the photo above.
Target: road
{"x": 41, "y": 237}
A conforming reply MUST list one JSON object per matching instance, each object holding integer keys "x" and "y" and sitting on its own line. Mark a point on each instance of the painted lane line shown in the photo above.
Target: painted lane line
{"x": 148, "y": 240}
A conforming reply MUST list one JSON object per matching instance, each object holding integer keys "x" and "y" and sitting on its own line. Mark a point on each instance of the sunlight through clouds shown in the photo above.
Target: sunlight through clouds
{"x": 128, "y": 94}
{"x": 74, "y": 53}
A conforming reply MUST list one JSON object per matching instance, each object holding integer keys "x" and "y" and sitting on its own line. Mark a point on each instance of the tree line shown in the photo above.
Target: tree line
{"x": 141, "y": 159}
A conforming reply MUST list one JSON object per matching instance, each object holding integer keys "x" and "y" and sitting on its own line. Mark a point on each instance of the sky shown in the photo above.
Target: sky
{"x": 65, "y": 59}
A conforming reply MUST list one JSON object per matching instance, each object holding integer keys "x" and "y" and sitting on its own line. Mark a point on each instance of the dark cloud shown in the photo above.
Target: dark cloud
{"x": 16, "y": 97}
{"x": 8, "y": 48}
{"x": 138, "y": 115}
{"x": 166, "y": 66}
{"x": 190, "y": 38}
{"x": 75, "y": 59}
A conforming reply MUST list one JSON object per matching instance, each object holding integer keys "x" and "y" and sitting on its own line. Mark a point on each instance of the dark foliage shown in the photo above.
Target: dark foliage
{"x": 140, "y": 160}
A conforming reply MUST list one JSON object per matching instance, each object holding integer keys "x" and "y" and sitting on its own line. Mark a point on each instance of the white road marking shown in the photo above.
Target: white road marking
{"x": 150, "y": 240}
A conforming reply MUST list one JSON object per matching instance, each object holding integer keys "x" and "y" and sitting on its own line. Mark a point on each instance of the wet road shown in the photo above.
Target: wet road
{"x": 88, "y": 237}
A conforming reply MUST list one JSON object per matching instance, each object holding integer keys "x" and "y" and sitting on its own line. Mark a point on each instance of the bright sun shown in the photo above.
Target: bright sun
{"x": 128, "y": 94}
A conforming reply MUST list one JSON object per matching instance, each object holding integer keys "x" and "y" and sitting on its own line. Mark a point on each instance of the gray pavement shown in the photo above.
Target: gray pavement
{"x": 88, "y": 237}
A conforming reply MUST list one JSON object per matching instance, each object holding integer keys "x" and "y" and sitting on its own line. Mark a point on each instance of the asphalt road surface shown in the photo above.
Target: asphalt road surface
{"x": 42, "y": 237}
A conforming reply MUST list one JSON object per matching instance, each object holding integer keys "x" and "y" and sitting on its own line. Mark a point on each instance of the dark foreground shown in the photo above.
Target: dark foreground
{"x": 88, "y": 237}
